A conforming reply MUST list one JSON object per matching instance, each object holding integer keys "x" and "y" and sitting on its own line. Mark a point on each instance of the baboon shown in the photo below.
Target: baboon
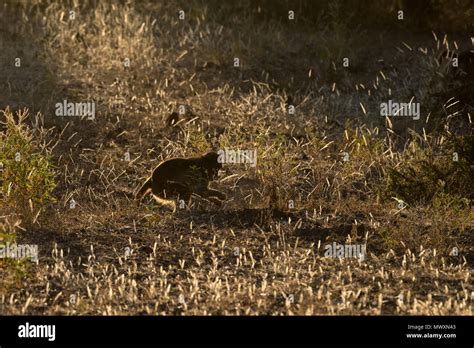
{"x": 181, "y": 178}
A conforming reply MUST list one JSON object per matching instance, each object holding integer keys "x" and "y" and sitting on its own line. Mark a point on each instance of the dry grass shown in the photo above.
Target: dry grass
{"x": 324, "y": 174}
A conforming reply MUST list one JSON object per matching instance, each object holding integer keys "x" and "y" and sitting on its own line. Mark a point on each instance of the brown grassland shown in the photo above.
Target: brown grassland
{"x": 332, "y": 171}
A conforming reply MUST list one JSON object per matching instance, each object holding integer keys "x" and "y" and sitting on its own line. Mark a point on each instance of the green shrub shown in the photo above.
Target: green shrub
{"x": 27, "y": 176}
{"x": 421, "y": 179}
{"x": 12, "y": 271}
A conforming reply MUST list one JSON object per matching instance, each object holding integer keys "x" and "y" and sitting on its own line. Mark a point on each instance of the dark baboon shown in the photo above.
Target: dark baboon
{"x": 181, "y": 177}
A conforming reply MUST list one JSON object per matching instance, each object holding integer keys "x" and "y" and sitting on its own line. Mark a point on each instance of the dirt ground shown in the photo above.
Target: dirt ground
{"x": 325, "y": 174}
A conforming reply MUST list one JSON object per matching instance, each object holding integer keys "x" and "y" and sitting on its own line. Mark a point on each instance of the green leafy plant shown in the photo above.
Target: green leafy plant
{"x": 27, "y": 176}
{"x": 421, "y": 179}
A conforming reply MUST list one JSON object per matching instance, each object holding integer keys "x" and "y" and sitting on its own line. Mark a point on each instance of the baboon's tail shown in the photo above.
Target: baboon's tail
{"x": 143, "y": 190}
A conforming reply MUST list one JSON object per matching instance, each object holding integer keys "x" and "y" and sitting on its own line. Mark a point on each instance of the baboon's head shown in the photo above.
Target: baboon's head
{"x": 212, "y": 164}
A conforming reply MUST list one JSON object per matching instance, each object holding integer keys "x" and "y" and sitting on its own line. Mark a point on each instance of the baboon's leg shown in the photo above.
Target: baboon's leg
{"x": 160, "y": 197}
{"x": 165, "y": 202}
{"x": 171, "y": 190}
{"x": 186, "y": 197}
{"x": 177, "y": 189}
{"x": 157, "y": 188}
{"x": 144, "y": 189}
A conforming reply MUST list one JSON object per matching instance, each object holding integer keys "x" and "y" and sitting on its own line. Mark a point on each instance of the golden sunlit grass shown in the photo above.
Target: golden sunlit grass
{"x": 334, "y": 171}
